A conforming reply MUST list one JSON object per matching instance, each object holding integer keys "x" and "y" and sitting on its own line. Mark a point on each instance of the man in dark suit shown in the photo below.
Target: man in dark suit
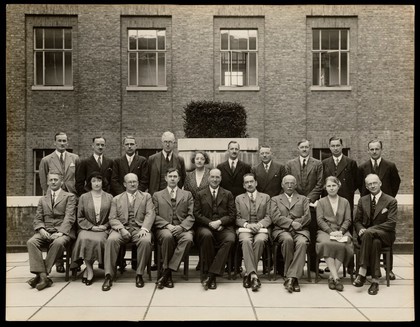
{"x": 387, "y": 172}
{"x": 345, "y": 169}
{"x": 53, "y": 224}
{"x": 308, "y": 172}
{"x": 375, "y": 223}
{"x": 214, "y": 212}
{"x": 173, "y": 225}
{"x": 290, "y": 215}
{"x": 96, "y": 162}
{"x": 131, "y": 218}
{"x": 130, "y": 162}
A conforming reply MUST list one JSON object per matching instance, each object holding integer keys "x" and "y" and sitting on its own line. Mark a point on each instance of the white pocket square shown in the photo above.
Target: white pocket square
{"x": 71, "y": 164}
{"x": 384, "y": 210}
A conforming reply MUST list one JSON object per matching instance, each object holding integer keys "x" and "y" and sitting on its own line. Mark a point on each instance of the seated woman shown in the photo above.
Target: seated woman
{"x": 92, "y": 218}
{"x": 334, "y": 219}
{"x": 197, "y": 179}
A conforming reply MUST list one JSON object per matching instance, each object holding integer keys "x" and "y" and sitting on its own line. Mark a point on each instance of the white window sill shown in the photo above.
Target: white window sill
{"x": 146, "y": 88}
{"x": 239, "y": 88}
{"x": 52, "y": 88}
{"x": 330, "y": 88}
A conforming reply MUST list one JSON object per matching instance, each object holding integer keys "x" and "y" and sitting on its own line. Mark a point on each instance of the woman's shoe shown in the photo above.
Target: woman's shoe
{"x": 84, "y": 278}
{"x": 89, "y": 281}
{"x": 338, "y": 285}
{"x": 331, "y": 284}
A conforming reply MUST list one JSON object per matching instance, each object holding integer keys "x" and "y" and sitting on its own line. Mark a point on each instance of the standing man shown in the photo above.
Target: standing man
{"x": 131, "y": 218}
{"x": 65, "y": 163}
{"x": 252, "y": 213}
{"x": 308, "y": 172}
{"x": 130, "y": 162}
{"x": 268, "y": 173}
{"x": 53, "y": 224}
{"x": 214, "y": 212}
{"x": 173, "y": 224}
{"x": 387, "y": 172}
{"x": 96, "y": 162}
{"x": 375, "y": 223}
{"x": 290, "y": 215}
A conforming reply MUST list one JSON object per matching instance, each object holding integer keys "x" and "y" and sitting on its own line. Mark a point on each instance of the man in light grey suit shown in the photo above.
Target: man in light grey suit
{"x": 174, "y": 220}
{"x": 308, "y": 172}
{"x": 131, "y": 218}
{"x": 252, "y": 213}
{"x": 290, "y": 215}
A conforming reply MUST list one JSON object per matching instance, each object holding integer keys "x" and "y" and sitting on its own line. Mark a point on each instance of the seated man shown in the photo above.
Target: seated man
{"x": 173, "y": 223}
{"x": 53, "y": 224}
{"x": 375, "y": 222}
{"x": 290, "y": 215}
{"x": 252, "y": 214}
{"x": 214, "y": 212}
{"x": 131, "y": 218}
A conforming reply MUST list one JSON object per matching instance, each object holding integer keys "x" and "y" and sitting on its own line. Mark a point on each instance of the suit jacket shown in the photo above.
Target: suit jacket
{"x": 233, "y": 182}
{"x": 243, "y": 209}
{"x": 384, "y": 220}
{"x": 184, "y": 205}
{"x": 327, "y": 221}
{"x": 283, "y": 213}
{"x": 52, "y": 162}
{"x": 190, "y": 183}
{"x": 59, "y": 218}
{"x": 120, "y": 169}
{"x": 88, "y": 166}
{"x": 314, "y": 172}
{"x": 144, "y": 211}
{"x": 203, "y": 209}
{"x": 154, "y": 164}
{"x": 269, "y": 183}
{"x": 388, "y": 174}
{"x": 347, "y": 173}
{"x": 86, "y": 217}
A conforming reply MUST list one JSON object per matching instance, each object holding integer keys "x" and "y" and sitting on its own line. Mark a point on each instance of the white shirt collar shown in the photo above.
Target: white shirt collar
{"x": 289, "y": 197}
{"x": 235, "y": 161}
{"x": 96, "y": 156}
{"x": 268, "y": 164}
{"x": 301, "y": 159}
{"x": 377, "y": 196}
{"x": 254, "y": 194}
{"x": 56, "y": 192}
{"x": 214, "y": 189}
{"x": 59, "y": 153}
{"x": 339, "y": 158}
{"x": 377, "y": 160}
{"x": 130, "y": 157}
{"x": 165, "y": 154}
{"x": 175, "y": 189}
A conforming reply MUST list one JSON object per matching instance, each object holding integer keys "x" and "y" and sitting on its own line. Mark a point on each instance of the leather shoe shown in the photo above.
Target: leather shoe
{"x": 213, "y": 284}
{"x": 101, "y": 266}
{"x": 246, "y": 282}
{"x": 359, "y": 281}
{"x": 255, "y": 284}
{"x": 338, "y": 285}
{"x": 206, "y": 283}
{"x": 289, "y": 285}
{"x": 60, "y": 269}
{"x": 106, "y": 286}
{"x": 296, "y": 287}
{"x": 161, "y": 282}
{"x": 373, "y": 289}
{"x": 169, "y": 282}
{"x": 89, "y": 281}
{"x": 34, "y": 280}
{"x": 44, "y": 283}
{"x": 139, "y": 281}
{"x": 331, "y": 283}
{"x": 391, "y": 275}
{"x": 153, "y": 267}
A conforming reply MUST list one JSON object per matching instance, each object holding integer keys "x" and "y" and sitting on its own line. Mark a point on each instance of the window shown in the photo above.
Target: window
{"x": 53, "y": 57}
{"x": 147, "y": 57}
{"x": 238, "y": 57}
{"x": 324, "y": 153}
{"x": 330, "y": 57}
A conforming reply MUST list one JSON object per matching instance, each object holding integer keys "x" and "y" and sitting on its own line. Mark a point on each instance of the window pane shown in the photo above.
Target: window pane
{"x": 147, "y": 39}
{"x": 315, "y": 69}
{"x": 53, "y": 38}
{"x": 224, "y": 59}
{"x": 238, "y": 76}
{"x": 325, "y": 69}
{"x": 53, "y": 68}
{"x": 234, "y": 40}
{"x": 132, "y": 38}
{"x": 252, "y": 69}
{"x": 224, "y": 39}
{"x": 329, "y": 39}
{"x": 344, "y": 61}
{"x": 243, "y": 40}
{"x": 334, "y": 38}
{"x": 38, "y": 189}
{"x": 147, "y": 69}
{"x": 38, "y": 38}
{"x": 161, "y": 40}
{"x": 161, "y": 69}
{"x": 68, "y": 69}
{"x": 38, "y": 69}
{"x": 315, "y": 39}
{"x": 344, "y": 35}
{"x": 132, "y": 69}
{"x": 253, "y": 39}
{"x": 67, "y": 38}
{"x": 333, "y": 69}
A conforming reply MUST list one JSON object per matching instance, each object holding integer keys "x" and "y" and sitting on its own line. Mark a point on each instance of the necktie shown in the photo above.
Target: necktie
{"x": 214, "y": 195}
{"x": 62, "y": 160}
{"x": 290, "y": 199}
{"x": 232, "y": 168}
{"x": 266, "y": 168}
{"x": 373, "y": 207}
{"x": 375, "y": 166}
{"x": 52, "y": 199}
{"x": 130, "y": 159}
{"x": 167, "y": 158}
{"x": 172, "y": 194}
{"x": 336, "y": 165}
{"x": 251, "y": 196}
{"x": 336, "y": 162}
{"x": 304, "y": 163}
{"x": 133, "y": 198}
{"x": 99, "y": 162}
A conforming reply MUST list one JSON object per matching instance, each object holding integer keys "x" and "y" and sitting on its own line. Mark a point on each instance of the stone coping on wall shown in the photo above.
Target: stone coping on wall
{"x": 216, "y": 144}
{"x": 32, "y": 201}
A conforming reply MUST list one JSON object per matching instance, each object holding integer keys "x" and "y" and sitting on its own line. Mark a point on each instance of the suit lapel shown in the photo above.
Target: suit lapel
{"x": 56, "y": 162}
{"x": 49, "y": 195}
{"x": 167, "y": 196}
{"x": 258, "y": 200}
{"x": 158, "y": 162}
{"x": 309, "y": 166}
{"x": 379, "y": 206}
{"x": 59, "y": 198}
{"x": 294, "y": 200}
{"x": 220, "y": 196}
{"x": 139, "y": 198}
{"x": 341, "y": 165}
{"x": 179, "y": 196}
{"x": 209, "y": 197}
{"x": 245, "y": 200}
{"x": 382, "y": 170}
{"x": 271, "y": 171}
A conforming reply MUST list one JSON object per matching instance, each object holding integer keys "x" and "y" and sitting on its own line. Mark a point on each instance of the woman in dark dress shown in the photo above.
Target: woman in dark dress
{"x": 197, "y": 179}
